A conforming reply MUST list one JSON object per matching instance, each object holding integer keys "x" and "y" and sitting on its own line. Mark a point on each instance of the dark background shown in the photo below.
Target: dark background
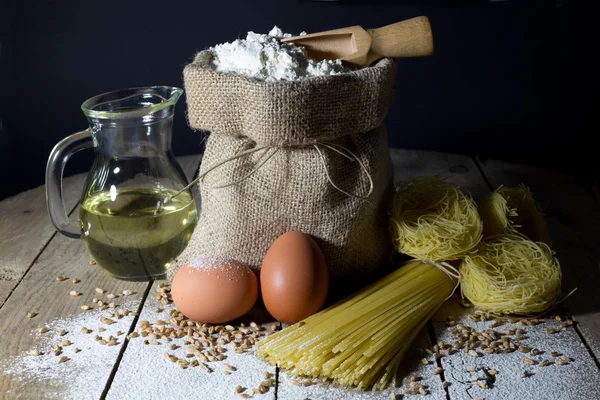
{"x": 510, "y": 80}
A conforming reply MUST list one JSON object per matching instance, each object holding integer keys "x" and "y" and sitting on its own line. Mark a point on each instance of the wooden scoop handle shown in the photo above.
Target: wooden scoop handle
{"x": 409, "y": 38}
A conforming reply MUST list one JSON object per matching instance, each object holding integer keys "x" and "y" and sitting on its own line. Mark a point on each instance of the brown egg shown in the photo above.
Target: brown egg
{"x": 294, "y": 278}
{"x": 214, "y": 290}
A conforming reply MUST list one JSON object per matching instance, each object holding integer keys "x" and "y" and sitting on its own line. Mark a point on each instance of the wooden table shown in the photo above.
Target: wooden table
{"x": 32, "y": 255}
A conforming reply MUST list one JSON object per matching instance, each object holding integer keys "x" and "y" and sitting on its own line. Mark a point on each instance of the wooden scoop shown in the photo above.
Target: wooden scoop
{"x": 360, "y": 47}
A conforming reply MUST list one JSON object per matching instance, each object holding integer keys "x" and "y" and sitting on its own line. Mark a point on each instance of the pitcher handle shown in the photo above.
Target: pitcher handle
{"x": 54, "y": 173}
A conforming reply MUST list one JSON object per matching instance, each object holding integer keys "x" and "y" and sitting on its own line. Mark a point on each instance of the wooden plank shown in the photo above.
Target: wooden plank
{"x": 579, "y": 379}
{"x": 25, "y": 228}
{"x": 145, "y": 373}
{"x": 573, "y": 219}
{"x": 455, "y": 168}
{"x": 41, "y": 293}
{"x": 86, "y": 373}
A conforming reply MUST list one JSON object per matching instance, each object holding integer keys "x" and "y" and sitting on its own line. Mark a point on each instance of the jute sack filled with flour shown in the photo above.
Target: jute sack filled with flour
{"x": 308, "y": 155}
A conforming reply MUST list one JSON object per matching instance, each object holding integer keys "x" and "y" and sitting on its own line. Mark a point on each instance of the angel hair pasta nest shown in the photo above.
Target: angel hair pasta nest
{"x": 433, "y": 220}
{"x": 509, "y": 274}
{"x": 513, "y": 210}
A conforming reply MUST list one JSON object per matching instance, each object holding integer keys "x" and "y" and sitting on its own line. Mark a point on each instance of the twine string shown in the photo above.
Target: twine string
{"x": 248, "y": 175}
{"x": 450, "y": 270}
{"x": 351, "y": 157}
{"x": 266, "y": 156}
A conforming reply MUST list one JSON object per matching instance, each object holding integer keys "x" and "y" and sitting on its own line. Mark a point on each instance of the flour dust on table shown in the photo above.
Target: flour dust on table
{"x": 511, "y": 357}
{"x": 172, "y": 357}
{"x": 75, "y": 355}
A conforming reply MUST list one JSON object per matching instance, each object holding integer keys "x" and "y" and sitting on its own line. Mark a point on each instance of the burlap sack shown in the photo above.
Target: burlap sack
{"x": 275, "y": 153}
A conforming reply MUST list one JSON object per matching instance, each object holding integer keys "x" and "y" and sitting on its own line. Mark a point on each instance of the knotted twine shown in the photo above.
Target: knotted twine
{"x": 267, "y": 156}
{"x": 308, "y": 155}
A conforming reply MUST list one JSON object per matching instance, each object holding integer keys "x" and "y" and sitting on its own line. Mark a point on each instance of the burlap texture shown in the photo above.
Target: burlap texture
{"x": 292, "y": 191}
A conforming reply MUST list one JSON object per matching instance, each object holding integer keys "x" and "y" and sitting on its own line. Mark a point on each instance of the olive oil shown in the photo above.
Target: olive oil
{"x": 134, "y": 236}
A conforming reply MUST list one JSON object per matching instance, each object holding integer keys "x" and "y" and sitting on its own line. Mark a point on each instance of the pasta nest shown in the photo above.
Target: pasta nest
{"x": 510, "y": 274}
{"x": 433, "y": 220}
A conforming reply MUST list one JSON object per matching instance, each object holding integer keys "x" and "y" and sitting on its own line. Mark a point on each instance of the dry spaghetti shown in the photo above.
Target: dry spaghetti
{"x": 361, "y": 340}
{"x": 433, "y": 220}
{"x": 510, "y": 274}
{"x": 513, "y": 210}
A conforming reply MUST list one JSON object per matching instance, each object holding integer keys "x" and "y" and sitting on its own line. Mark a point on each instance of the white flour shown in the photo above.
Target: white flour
{"x": 145, "y": 374}
{"x": 264, "y": 58}
{"x": 579, "y": 379}
{"x": 84, "y": 375}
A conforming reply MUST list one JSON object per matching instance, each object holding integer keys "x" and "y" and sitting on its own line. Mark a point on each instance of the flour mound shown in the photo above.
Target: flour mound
{"x": 263, "y": 57}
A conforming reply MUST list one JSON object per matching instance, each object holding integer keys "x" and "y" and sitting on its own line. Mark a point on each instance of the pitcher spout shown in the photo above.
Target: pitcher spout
{"x": 151, "y": 101}
{"x": 135, "y": 122}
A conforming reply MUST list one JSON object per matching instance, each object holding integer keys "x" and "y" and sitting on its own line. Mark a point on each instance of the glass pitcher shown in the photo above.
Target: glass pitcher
{"x": 136, "y": 212}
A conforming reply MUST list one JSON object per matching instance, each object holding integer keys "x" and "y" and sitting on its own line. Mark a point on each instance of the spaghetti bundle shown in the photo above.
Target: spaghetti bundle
{"x": 433, "y": 220}
{"x": 361, "y": 340}
{"x": 510, "y": 274}
{"x": 512, "y": 210}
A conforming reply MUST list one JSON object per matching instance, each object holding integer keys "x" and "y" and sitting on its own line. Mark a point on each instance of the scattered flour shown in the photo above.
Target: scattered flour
{"x": 216, "y": 264}
{"x": 84, "y": 375}
{"x": 145, "y": 374}
{"x": 263, "y": 57}
{"x": 579, "y": 379}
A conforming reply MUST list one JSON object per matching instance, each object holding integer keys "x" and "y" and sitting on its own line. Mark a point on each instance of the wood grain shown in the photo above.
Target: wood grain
{"x": 409, "y": 38}
{"x": 139, "y": 358}
{"x": 357, "y": 46}
{"x": 573, "y": 218}
{"x": 455, "y": 168}
{"x": 40, "y": 292}
{"x": 25, "y": 228}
